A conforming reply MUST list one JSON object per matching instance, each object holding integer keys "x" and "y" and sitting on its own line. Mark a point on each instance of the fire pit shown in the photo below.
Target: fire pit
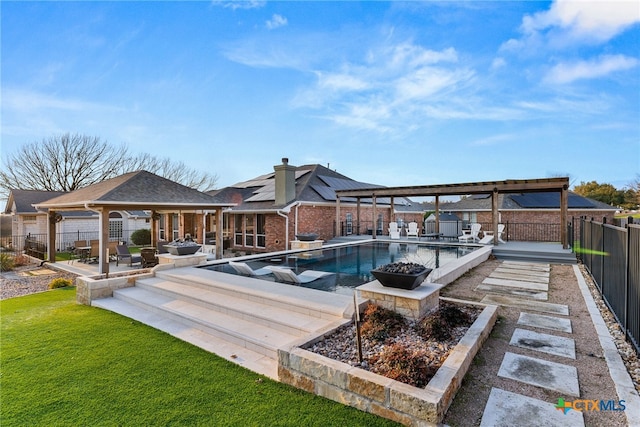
{"x": 401, "y": 275}
{"x": 182, "y": 248}
{"x": 307, "y": 237}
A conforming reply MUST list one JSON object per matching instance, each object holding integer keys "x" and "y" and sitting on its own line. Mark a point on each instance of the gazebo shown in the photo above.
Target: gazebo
{"x": 139, "y": 190}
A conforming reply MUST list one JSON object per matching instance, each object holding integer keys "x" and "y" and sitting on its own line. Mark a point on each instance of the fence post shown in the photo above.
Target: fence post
{"x": 601, "y": 254}
{"x": 627, "y": 282}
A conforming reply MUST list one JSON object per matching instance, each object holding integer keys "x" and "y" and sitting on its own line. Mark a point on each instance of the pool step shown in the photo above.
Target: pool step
{"x": 244, "y": 320}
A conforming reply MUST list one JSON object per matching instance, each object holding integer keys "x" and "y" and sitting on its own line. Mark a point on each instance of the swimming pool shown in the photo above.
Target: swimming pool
{"x": 352, "y": 264}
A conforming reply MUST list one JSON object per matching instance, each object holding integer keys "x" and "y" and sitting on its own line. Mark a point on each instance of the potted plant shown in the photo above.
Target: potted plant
{"x": 402, "y": 275}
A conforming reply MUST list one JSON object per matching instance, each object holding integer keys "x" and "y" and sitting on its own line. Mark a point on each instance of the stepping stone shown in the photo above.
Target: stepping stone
{"x": 532, "y": 286}
{"x": 544, "y": 307}
{"x": 525, "y": 293}
{"x": 510, "y": 409}
{"x": 545, "y": 343}
{"x": 541, "y": 373}
{"x": 517, "y": 276}
{"x": 528, "y": 265}
{"x": 522, "y": 270}
{"x": 545, "y": 322}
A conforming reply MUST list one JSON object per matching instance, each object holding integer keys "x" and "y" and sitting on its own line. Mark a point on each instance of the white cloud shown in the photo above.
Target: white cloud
{"x": 568, "y": 23}
{"x": 239, "y": 4}
{"x": 276, "y": 21}
{"x": 569, "y": 72}
{"x": 595, "y": 20}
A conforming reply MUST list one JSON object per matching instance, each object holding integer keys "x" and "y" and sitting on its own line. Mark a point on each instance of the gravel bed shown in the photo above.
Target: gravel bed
{"x": 26, "y": 280}
{"x": 341, "y": 345}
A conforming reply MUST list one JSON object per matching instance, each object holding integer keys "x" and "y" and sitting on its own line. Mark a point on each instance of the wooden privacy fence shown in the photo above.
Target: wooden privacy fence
{"x": 612, "y": 256}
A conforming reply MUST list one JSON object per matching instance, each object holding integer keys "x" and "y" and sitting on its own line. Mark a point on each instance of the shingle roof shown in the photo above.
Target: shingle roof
{"x": 24, "y": 199}
{"x": 314, "y": 184}
{"x": 140, "y": 189}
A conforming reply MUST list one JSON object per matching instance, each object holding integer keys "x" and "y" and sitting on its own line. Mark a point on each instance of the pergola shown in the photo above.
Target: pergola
{"x": 140, "y": 190}
{"x": 493, "y": 188}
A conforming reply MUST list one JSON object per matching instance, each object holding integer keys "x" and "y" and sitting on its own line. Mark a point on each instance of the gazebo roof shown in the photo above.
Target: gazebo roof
{"x": 135, "y": 190}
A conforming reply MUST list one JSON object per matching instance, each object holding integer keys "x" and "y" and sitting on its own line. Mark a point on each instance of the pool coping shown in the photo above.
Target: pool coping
{"x": 380, "y": 395}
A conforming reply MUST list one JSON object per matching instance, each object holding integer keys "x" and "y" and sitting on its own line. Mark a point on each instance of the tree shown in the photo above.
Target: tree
{"x": 69, "y": 162}
{"x": 605, "y": 193}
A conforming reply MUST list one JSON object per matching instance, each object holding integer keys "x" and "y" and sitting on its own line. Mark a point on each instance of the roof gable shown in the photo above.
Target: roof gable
{"x": 24, "y": 199}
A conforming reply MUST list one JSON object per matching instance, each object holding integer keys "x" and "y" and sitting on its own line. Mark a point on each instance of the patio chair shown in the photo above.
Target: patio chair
{"x": 160, "y": 246}
{"x": 471, "y": 234}
{"x": 288, "y": 276}
{"x": 412, "y": 230}
{"x": 149, "y": 258}
{"x": 488, "y": 235}
{"x": 123, "y": 253}
{"x": 394, "y": 231}
{"x": 243, "y": 269}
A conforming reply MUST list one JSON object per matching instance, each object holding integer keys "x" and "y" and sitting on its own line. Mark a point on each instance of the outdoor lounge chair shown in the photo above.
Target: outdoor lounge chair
{"x": 488, "y": 235}
{"x": 471, "y": 234}
{"x": 149, "y": 258}
{"x": 243, "y": 269}
{"x": 394, "y": 231}
{"x": 412, "y": 230}
{"x": 123, "y": 253}
{"x": 286, "y": 275}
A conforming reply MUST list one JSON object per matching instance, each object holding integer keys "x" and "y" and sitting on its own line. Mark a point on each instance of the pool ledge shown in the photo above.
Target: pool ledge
{"x": 456, "y": 268}
{"x": 377, "y": 394}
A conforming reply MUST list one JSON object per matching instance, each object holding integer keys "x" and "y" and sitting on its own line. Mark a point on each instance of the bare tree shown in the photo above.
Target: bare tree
{"x": 69, "y": 162}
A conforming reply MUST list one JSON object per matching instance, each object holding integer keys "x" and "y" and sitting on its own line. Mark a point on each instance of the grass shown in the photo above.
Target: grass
{"x": 65, "y": 364}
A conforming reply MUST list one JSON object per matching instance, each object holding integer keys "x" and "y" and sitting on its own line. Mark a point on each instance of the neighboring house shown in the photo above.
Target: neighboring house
{"x": 529, "y": 216}
{"x": 272, "y": 208}
{"x": 72, "y": 225}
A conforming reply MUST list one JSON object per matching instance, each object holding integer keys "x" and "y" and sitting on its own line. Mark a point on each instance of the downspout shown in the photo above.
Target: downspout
{"x": 282, "y": 213}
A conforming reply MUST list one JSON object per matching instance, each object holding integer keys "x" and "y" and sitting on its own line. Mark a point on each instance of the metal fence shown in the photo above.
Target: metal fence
{"x": 65, "y": 242}
{"x": 612, "y": 256}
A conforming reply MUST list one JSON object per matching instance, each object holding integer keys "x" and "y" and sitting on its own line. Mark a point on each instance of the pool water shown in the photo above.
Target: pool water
{"x": 352, "y": 264}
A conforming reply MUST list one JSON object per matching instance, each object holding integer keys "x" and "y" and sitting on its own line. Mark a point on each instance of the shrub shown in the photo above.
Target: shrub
{"x": 21, "y": 260}
{"x": 59, "y": 283}
{"x": 141, "y": 237}
{"x": 7, "y": 262}
{"x": 380, "y": 323}
{"x": 435, "y": 328}
{"x": 410, "y": 366}
{"x": 453, "y": 316}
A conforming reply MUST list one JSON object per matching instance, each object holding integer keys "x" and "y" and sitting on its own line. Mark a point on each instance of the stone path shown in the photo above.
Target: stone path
{"x": 525, "y": 286}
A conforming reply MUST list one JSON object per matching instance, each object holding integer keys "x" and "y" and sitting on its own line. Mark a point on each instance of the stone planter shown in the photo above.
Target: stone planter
{"x": 401, "y": 280}
{"x": 182, "y": 250}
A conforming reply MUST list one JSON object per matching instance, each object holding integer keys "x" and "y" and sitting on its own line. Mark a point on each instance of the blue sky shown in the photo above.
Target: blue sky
{"x": 390, "y": 93}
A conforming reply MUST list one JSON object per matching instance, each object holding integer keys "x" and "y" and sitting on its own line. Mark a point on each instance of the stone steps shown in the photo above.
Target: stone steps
{"x": 244, "y": 320}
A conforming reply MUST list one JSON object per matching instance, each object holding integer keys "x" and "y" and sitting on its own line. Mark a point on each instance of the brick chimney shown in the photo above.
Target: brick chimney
{"x": 285, "y": 182}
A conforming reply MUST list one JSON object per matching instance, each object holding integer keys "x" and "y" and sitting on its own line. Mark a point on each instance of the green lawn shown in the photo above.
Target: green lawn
{"x": 65, "y": 364}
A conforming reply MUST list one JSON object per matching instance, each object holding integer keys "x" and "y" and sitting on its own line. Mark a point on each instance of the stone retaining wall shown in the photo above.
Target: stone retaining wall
{"x": 382, "y": 396}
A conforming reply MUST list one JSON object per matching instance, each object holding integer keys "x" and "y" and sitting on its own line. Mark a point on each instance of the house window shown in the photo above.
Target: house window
{"x": 29, "y": 218}
{"x": 175, "y": 226}
{"x": 161, "y": 227}
{"x": 238, "y": 230}
{"x": 248, "y": 230}
{"x": 261, "y": 239}
{"x": 349, "y": 223}
{"x": 115, "y": 226}
{"x": 379, "y": 225}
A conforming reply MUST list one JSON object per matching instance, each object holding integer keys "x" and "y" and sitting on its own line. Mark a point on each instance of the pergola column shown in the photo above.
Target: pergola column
{"x": 494, "y": 214}
{"x": 219, "y": 236}
{"x": 338, "y": 231}
{"x": 103, "y": 218}
{"x": 375, "y": 216}
{"x": 51, "y": 246}
{"x": 437, "y": 216}
{"x": 564, "y": 208}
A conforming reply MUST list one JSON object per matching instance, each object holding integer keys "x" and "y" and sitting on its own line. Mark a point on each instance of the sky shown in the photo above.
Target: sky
{"x": 388, "y": 93}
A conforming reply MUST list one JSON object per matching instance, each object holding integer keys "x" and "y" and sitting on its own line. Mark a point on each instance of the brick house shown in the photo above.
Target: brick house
{"x": 528, "y": 216}
{"x": 272, "y": 208}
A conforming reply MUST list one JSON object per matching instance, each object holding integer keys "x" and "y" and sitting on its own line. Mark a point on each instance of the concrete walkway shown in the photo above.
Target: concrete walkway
{"x": 522, "y": 285}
